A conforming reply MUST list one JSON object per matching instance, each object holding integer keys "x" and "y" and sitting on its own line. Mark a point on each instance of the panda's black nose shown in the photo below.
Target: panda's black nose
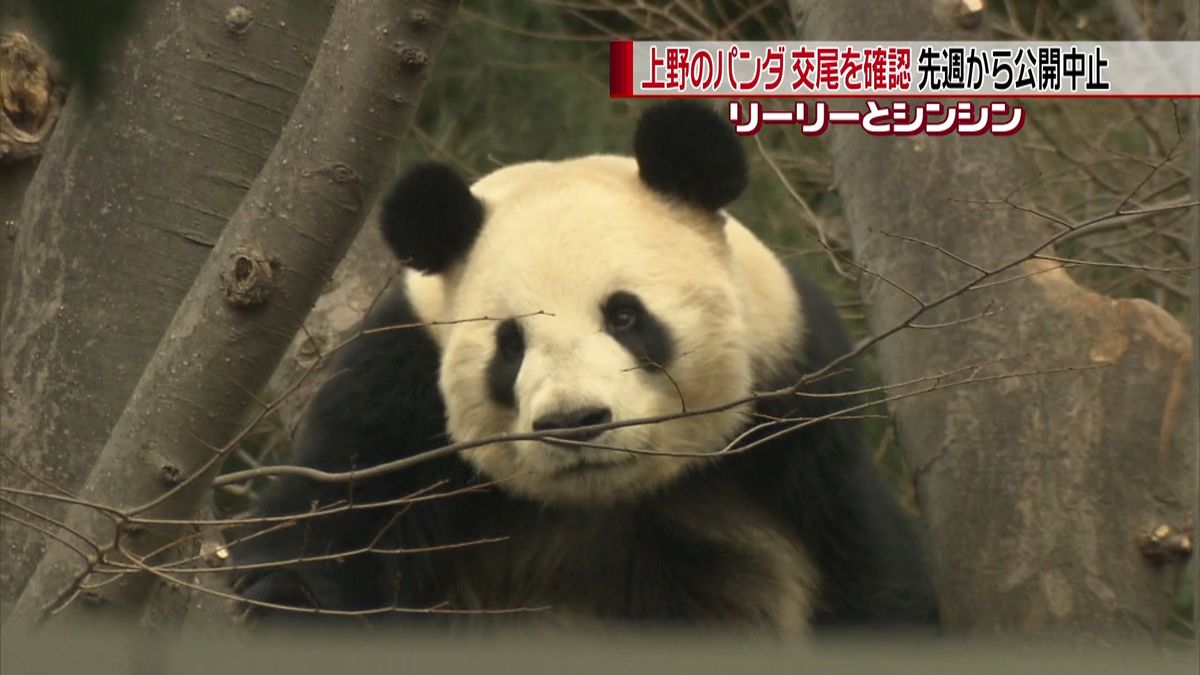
{"x": 580, "y": 417}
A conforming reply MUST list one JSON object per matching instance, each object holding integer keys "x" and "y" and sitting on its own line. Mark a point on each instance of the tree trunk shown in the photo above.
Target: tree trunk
{"x": 31, "y": 97}
{"x": 127, "y": 203}
{"x": 14, "y": 179}
{"x": 1035, "y": 490}
{"x": 271, "y": 263}
{"x": 336, "y": 317}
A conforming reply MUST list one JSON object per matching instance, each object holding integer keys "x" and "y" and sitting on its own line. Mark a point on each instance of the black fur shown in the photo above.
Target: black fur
{"x": 843, "y": 510}
{"x": 686, "y": 150}
{"x": 381, "y": 402}
{"x": 430, "y": 218}
{"x": 647, "y": 339}
{"x": 627, "y": 563}
{"x": 506, "y": 363}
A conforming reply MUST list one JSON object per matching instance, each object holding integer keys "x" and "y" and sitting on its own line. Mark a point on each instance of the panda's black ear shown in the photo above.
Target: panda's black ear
{"x": 430, "y": 218}
{"x": 684, "y": 149}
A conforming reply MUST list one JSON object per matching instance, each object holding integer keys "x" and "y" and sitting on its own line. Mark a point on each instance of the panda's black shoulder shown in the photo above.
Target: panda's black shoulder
{"x": 822, "y": 476}
{"x": 824, "y": 337}
{"x": 381, "y": 399}
{"x": 380, "y": 402}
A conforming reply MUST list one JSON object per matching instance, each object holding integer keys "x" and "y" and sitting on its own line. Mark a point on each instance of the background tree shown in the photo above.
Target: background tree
{"x": 134, "y": 190}
{"x": 1035, "y": 493}
{"x": 252, "y": 291}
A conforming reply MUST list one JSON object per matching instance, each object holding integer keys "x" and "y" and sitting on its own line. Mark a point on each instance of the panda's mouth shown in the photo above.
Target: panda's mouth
{"x": 573, "y": 443}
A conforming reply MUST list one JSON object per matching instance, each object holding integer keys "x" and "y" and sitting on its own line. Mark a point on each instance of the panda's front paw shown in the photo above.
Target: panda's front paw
{"x": 278, "y": 593}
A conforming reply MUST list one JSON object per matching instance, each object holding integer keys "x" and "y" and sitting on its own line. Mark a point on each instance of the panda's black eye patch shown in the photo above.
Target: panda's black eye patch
{"x": 510, "y": 341}
{"x": 506, "y": 363}
{"x": 622, "y": 314}
{"x": 628, "y": 321}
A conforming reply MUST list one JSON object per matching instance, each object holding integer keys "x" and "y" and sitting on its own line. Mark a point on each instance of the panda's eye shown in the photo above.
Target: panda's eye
{"x": 622, "y": 319}
{"x": 638, "y": 330}
{"x": 622, "y": 313}
{"x": 510, "y": 343}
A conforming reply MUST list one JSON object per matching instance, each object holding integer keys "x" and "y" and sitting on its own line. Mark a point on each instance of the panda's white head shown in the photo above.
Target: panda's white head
{"x": 584, "y": 292}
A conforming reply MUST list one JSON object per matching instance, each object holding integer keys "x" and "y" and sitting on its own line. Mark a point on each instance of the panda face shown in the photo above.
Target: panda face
{"x": 598, "y": 301}
{"x": 595, "y": 290}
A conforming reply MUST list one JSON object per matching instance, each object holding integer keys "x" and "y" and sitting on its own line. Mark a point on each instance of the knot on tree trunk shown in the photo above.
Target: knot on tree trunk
{"x": 414, "y": 58}
{"x": 30, "y": 99}
{"x": 248, "y": 277}
{"x": 237, "y": 19}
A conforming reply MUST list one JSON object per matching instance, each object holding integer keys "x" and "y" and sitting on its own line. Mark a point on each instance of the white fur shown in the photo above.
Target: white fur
{"x": 559, "y": 238}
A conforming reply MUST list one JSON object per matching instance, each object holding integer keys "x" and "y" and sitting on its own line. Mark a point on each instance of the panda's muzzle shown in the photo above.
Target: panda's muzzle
{"x": 568, "y": 420}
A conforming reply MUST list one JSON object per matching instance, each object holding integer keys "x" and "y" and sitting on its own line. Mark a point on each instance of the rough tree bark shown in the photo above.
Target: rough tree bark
{"x": 1035, "y": 491}
{"x": 31, "y": 98}
{"x": 271, "y": 262}
{"x": 357, "y": 283}
{"x": 14, "y": 178}
{"x": 128, "y": 200}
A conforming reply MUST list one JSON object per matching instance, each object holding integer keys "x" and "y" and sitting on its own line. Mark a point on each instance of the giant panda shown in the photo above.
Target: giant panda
{"x": 552, "y": 306}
